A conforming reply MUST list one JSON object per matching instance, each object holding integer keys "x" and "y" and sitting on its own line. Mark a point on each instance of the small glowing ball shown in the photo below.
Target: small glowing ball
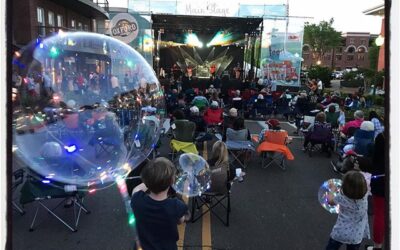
{"x": 194, "y": 175}
{"x": 328, "y": 190}
{"x": 51, "y": 150}
{"x": 79, "y": 113}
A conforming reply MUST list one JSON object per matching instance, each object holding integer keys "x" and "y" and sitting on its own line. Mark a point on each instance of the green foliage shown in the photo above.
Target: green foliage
{"x": 322, "y": 37}
{"x": 373, "y": 54}
{"x": 377, "y": 100}
{"x": 352, "y": 83}
{"x": 350, "y": 76}
{"x": 323, "y": 73}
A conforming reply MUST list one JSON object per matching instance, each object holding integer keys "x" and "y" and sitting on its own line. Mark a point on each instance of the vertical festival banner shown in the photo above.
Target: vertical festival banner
{"x": 281, "y": 60}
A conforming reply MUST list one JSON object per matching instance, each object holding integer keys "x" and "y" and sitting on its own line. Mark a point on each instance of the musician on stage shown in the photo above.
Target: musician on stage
{"x": 176, "y": 71}
{"x": 237, "y": 71}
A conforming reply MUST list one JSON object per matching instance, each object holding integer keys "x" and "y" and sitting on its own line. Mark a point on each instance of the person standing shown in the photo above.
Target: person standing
{"x": 157, "y": 215}
{"x": 352, "y": 223}
{"x": 378, "y": 193}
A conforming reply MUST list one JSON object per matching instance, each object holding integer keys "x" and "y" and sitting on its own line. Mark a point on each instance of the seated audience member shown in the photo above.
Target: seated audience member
{"x": 219, "y": 165}
{"x": 195, "y": 117}
{"x": 332, "y": 117}
{"x": 200, "y": 101}
{"x": 320, "y": 132}
{"x": 237, "y": 96}
{"x": 362, "y": 143}
{"x": 356, "y": 123}
{"x": 362, "y": 140}
{"x": 213, "y": 114}
{"x": 272, "y": 124}
{"x": 201, "y": 133}
{"x": 215, "y": 97}
{"x": 376, "y": 120}
{"x": 229, "y": 120}
{"x": 157, "y": 215}
{"x": 238, "y": 132}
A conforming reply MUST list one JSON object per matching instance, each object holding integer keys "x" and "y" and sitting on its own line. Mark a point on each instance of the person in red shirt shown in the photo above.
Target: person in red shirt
{"x": 356, "y": 123}
{"x": 213, "y": 114}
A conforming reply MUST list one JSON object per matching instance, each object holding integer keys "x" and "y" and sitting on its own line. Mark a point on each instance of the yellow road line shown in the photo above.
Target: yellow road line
{"x": 206, "y": 220}
{"x": 182, "y": 228}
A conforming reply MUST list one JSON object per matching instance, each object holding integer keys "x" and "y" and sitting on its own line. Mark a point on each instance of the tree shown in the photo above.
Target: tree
{"x": 322, "y": 38}
{"x": 322, "y": 73}
{"x": 373, "y": 54}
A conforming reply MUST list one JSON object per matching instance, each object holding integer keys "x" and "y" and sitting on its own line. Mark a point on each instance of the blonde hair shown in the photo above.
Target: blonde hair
{"x": 220, "y": 152}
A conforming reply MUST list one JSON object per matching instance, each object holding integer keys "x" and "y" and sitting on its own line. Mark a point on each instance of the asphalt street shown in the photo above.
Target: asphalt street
{"x": 270, "y": 209}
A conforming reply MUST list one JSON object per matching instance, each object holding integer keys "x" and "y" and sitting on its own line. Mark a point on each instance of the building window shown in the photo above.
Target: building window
{"x": 73, "y": 23}
{"x": 351, "y": 40}
{"x": 41, "y": 21}
{"x": 79, "y": 26}
{"x": 339, "y": 50}
{"x": 360, "y": 57}
{"x": 351, "y": 49}
{"x": 361, "y": 49}
{"x": 60, "y": 21}
{"x": 94, "y": 25}
{"x": 363, "y": 42}
{"x": 327, "y": 57}
{"x": 338, "y": 57}
{"x": 86, "y": 27}
{"x": 51, "y": 18}
{"x": 350, "y": 57}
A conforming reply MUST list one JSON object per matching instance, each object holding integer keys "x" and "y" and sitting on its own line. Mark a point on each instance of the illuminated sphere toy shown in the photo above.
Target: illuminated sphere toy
{"x": 78, "y": 117}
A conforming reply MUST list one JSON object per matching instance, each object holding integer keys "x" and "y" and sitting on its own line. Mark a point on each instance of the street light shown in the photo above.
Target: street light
{"x": 379, "y": 40}
{"x": 319, "y": 62}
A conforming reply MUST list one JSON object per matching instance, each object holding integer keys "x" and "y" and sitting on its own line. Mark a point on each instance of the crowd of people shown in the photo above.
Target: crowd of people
{"x": 219, "y": 109}
{"x": 358, "y": 143}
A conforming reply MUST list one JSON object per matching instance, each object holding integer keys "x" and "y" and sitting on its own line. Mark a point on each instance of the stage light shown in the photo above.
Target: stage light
{"x": 193, "y": 40}
{"x": 380, "y": 40}
{"x": 221, "y": 38}
{"x": 54, "y": 52}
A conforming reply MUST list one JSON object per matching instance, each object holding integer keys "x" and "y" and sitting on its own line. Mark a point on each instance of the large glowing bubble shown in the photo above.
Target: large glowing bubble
{"x": 79, "y": 117}
{"x": 194, "y": 175}
{"x": 326, "y": 193}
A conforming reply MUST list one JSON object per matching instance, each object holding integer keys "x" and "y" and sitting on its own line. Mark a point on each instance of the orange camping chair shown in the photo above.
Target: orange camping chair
{"x": 274, "y": 148}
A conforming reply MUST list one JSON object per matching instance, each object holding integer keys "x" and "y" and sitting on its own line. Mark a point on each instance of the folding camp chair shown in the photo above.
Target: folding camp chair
{"x": 183, "y": 138}
{"x": 239, "y": 147}
{"x": 18, "y": 180}
{"x": 274, "y": 148}
{"x": 217, "y": 196}
{"x": 36, "y": 191}
{"x": 320, "y": 139}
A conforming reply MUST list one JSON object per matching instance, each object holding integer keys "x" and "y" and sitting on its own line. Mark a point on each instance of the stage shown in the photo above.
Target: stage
{"x": 204, "y": 46}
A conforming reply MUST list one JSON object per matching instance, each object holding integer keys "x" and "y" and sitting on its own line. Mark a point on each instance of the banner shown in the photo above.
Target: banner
{"x": 282, "y": 62}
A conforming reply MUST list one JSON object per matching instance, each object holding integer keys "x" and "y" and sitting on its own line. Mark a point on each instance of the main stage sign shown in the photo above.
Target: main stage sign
{"x": 206, "y": 8}
{"x": 124, "y": 27}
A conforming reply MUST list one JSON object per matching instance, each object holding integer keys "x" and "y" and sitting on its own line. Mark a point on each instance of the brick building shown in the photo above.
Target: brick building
{"x": 40, "y": 18}
{"x": 352, "y": 54}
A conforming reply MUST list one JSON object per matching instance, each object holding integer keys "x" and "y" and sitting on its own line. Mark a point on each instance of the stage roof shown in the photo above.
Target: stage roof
{"x": 204, "y": 24}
